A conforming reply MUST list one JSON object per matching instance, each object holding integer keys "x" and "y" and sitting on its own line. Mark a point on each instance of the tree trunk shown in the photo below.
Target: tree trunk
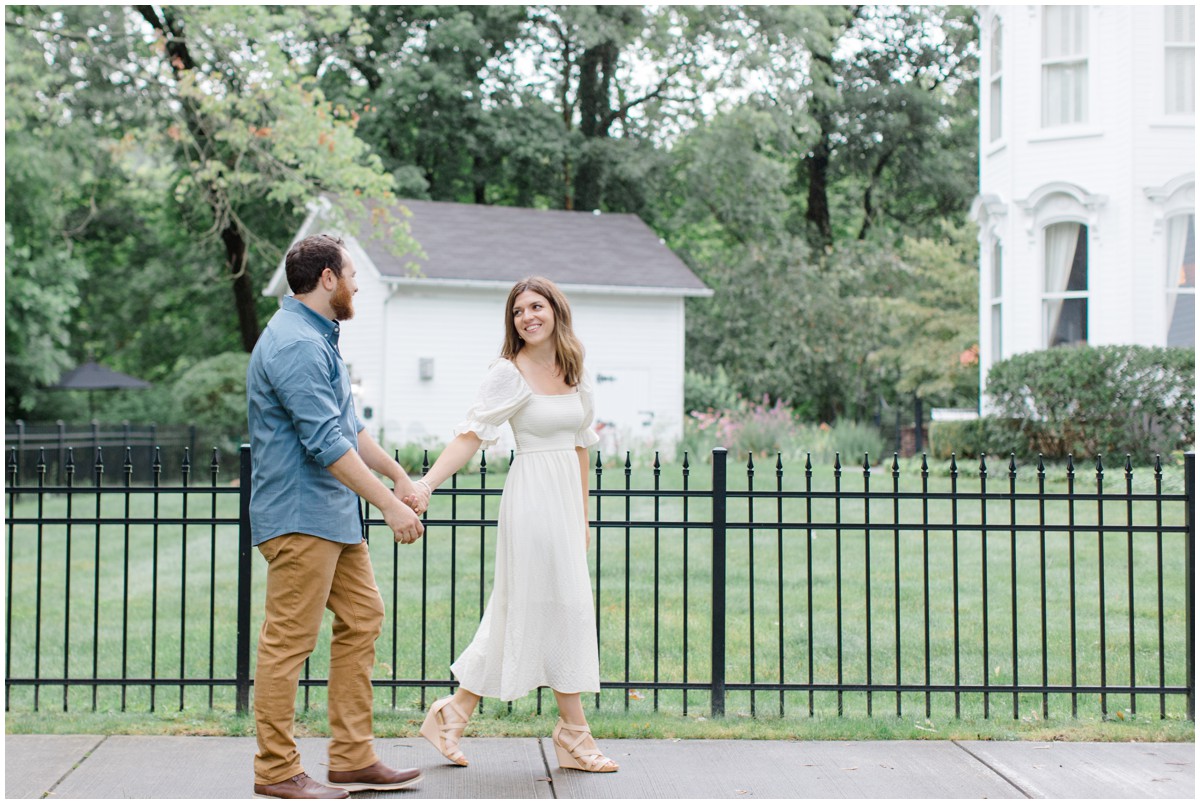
{"x": 244, "y": 299}
{"x": 869, "y": 193}
{"x": 816, "y": 168}
{"x": 595, "y": 118}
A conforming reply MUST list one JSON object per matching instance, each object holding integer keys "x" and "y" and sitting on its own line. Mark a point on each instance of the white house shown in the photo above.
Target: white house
{"x": 421, "y": 341}
{"x": 1087, "y": 195}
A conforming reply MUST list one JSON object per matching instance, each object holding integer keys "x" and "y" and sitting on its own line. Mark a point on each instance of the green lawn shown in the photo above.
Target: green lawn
{"x": 643, "y": 622}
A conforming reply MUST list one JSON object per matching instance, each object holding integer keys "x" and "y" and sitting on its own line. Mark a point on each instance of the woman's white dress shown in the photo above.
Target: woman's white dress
{"x": 539, "y": 626}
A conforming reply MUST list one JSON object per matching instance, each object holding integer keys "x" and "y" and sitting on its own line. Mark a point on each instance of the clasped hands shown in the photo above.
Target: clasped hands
{"x": 419, "y": 499}
{"x": 403, "y": 519}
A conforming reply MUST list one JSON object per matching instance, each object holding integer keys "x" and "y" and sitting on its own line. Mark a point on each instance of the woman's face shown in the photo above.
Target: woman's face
{"x": 533, "y": 317}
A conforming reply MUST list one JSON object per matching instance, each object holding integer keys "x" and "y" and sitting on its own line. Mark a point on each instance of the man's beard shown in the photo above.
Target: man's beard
{"x": 342, "y": 303}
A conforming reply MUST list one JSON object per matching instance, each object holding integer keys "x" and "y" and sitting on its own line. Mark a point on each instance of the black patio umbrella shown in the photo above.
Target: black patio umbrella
{"x": 91, "y": 376}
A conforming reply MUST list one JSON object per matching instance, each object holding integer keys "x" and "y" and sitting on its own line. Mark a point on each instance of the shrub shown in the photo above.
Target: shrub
{"x": 749, "y": 427}
{"x": 713, "y": 391}
{"x": 212, "y": 394}
{"x": 852, "y": 440}
{"x": 1098, "y": 400}
{"x": 764, "y": 431}
{"x": 970, "y": 439}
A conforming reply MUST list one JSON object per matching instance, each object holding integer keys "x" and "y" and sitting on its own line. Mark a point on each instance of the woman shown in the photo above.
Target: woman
{"x": 539, "y": 625}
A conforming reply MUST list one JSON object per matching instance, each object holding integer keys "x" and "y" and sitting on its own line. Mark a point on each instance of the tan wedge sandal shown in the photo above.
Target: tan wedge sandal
{"x": 443, "y": 720}
{"x": 572, "y": 755}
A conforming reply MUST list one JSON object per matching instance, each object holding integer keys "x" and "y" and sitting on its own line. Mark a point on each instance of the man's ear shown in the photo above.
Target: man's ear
{"x": 328, "y": 279}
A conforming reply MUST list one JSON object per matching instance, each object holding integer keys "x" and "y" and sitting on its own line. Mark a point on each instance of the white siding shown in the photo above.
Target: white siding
{"x": 1113, "y": 164}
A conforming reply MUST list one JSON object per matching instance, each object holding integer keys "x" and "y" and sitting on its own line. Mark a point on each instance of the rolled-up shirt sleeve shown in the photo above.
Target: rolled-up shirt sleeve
{"x": 300, "y": 375}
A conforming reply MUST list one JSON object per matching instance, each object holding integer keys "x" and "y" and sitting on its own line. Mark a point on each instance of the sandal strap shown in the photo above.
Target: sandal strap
{"x": 593, "y": 758}
{"x": 447, "y": 726}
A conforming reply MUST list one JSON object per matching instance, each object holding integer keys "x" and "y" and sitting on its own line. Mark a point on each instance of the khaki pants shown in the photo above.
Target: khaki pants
{"x": 306, "y": 575}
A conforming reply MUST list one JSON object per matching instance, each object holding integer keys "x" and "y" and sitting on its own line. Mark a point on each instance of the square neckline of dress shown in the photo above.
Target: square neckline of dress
{"x": 573, "y": 392}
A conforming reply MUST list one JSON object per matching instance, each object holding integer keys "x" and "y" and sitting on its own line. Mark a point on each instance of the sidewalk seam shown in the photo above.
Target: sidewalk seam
{"x": 50, "y": 791}
{"x": 985, "y": 763}
{"x": 546, "y": 766}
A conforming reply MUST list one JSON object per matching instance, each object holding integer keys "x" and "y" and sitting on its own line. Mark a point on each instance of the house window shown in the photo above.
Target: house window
{"x": 1064, "y": 65}
{"x": 1065, "y": 303}
{"x": 1181, "y": 280}
{"x": 997, "y": 119}
{"x": 997, "y": 294}
{"x": 1179, "y": 39}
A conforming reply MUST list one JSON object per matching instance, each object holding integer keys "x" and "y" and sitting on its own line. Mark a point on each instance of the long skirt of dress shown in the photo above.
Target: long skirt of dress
{"x": 539, "y": 626}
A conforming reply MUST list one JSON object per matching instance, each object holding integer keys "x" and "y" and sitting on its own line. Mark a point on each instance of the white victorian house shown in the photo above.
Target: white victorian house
{"x": 1087, "y": 200}
{"x": 420, "y": 341}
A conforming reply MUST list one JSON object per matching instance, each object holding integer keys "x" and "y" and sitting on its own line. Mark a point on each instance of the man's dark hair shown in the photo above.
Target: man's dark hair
{"x": 307, "y": 259}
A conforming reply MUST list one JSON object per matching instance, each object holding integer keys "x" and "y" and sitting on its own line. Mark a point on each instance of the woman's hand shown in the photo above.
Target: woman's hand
{"x": 418, "y": 500}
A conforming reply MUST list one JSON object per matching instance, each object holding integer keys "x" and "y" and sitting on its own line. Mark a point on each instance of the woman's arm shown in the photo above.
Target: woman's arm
{"x": 379, "y": 461}
{"x": 583, "y": 481}
{"x": 453, "y": 458}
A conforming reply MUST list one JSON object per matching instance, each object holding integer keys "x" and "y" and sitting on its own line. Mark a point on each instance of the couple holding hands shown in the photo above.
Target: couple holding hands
{"x": 312, "y": 461}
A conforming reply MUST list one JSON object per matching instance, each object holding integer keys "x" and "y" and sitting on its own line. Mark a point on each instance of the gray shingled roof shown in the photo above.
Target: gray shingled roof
{"x": 473, "y": 242}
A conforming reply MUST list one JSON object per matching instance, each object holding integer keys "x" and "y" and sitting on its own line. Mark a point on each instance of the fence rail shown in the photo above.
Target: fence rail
{"x": 855, "y": 590}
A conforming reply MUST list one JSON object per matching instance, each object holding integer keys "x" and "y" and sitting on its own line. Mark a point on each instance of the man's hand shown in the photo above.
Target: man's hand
{"x": 406, "y": 527}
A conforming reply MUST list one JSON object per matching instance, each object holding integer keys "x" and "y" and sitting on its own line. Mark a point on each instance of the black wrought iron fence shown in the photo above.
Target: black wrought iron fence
{"x": 46, "y": 443}
{"x": 899, "y": 589}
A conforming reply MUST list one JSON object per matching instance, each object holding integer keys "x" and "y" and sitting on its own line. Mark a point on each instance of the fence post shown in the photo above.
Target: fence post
{"x": 243, "y": 583}
{"x": 719, "y": 514}
{"x": 20, "y": 438}
{"x": 918, "y": 442}
{"x": 1189, "y": 484}
{"x": 61, "y": 428}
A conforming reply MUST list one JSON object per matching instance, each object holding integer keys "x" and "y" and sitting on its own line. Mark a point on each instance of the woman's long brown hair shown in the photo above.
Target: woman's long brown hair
{"x": 568, "y": 351}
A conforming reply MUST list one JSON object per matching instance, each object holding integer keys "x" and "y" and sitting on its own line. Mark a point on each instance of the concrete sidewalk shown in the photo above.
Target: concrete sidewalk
{"x": 91, "y": 766}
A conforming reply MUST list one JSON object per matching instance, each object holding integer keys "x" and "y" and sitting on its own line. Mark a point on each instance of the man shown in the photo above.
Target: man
{"x": 312, "y": 460}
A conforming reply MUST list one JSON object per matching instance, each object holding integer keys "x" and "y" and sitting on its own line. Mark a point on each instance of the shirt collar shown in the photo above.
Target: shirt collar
{"x": 330, "y": 330}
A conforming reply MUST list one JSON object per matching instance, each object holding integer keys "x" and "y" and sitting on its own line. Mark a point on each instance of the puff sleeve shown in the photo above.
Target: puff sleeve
{"x": 587, "y": 437}
{"x": 501, "y": 394}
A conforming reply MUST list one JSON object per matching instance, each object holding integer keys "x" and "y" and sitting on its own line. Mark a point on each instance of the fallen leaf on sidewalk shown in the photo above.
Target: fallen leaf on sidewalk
{"x": 854, "y": 768}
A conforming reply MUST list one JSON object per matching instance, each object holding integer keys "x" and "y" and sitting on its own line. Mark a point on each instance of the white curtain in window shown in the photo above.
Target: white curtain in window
{"x": 1177, "y": 232}
{"x": 1179, "y": 34}
{"x": 1180, "y": 90}
{"x": 1064, "y": 67}
{"x": 1061, "y": 240}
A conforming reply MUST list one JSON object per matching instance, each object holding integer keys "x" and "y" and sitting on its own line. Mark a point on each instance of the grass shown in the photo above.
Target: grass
{"x": 451, "y": 568}
{"x": 616, "y": 725}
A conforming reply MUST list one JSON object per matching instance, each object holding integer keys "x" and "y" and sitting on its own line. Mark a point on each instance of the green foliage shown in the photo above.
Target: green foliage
{"x": 987, "y": 435}
{"x": 708, "y": 391}
{"x": 1108, "y": 400}
{"x": 764, "y": 431}
{"x": 929, "y": 318}
{"x": 212, "y": 394}
{"x": 160, "y": 159}
{"x": 853, "y": 440}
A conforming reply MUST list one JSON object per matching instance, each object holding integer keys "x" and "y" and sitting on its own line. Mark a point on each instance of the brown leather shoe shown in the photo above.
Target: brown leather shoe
{"x": 375, "y": 777}
{"x": 299, "y": 786}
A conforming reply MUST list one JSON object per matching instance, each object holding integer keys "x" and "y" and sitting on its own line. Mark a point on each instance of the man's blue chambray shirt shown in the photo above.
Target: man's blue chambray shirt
{"x": 302, "y": 419}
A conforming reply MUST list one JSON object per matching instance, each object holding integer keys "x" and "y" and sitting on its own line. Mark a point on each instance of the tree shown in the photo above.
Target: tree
{"x": 937, "y": 318}
{"x": 54, "y": 169}
{"x": 254, "y": 140}
{"x": 159, "y": 155}
{"x": 883, "y": 108}
{"x": 427, "y": 79}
